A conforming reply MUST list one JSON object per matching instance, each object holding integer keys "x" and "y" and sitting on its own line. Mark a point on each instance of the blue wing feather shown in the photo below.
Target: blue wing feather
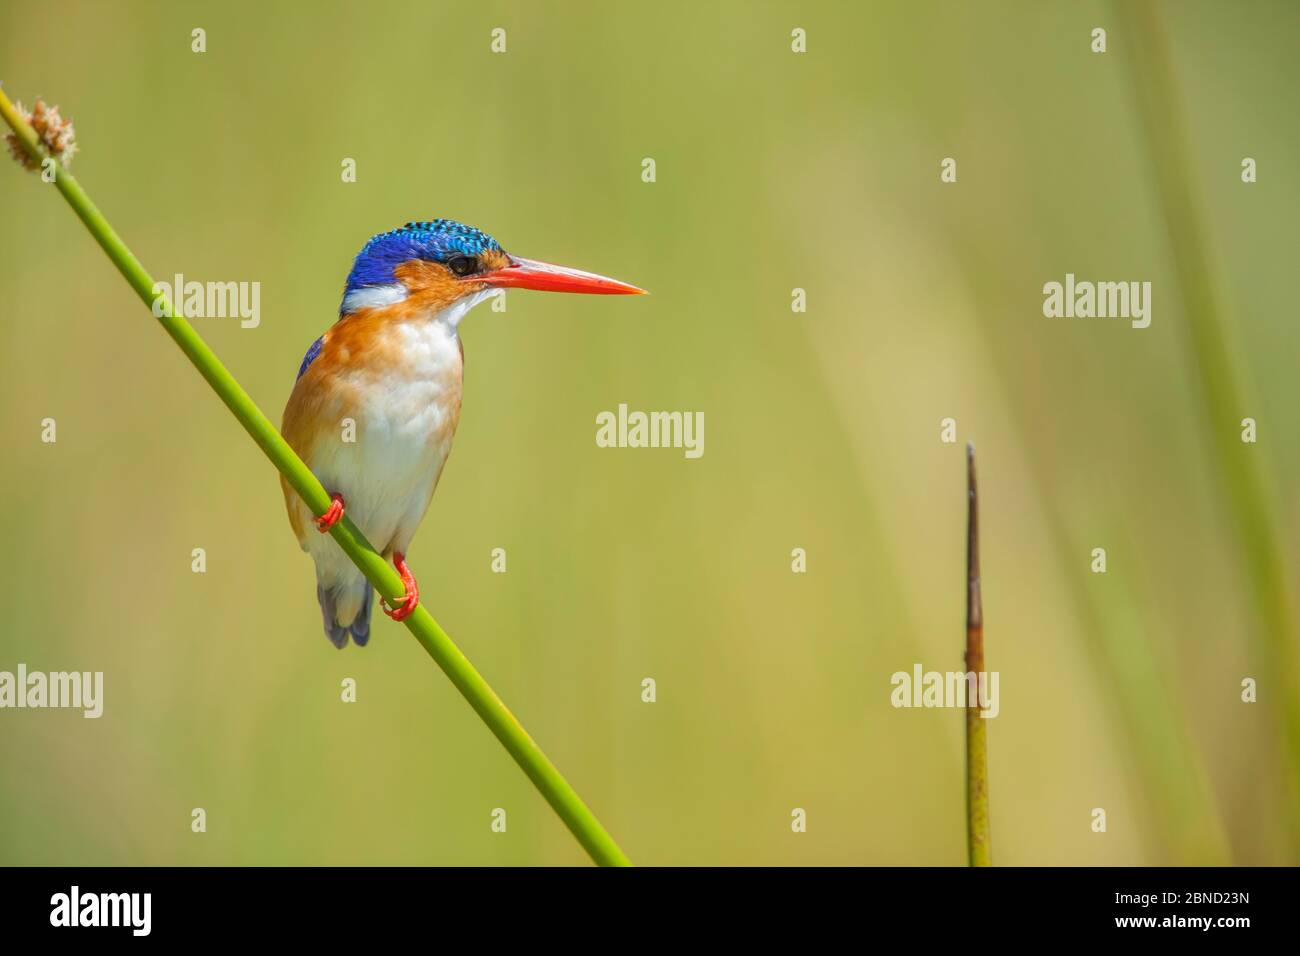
{"x": 310, "y": 356}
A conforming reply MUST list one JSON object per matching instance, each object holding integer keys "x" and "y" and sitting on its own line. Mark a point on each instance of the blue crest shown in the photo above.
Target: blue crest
{"x": 437, "y": 240}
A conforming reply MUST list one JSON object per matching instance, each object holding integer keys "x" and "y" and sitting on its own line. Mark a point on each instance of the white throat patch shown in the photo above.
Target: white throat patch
{"x": 382, "y": 296}
{"x": 460, "y": 308}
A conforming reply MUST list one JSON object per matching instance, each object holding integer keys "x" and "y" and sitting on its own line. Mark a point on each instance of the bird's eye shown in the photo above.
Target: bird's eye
{"x": 462, "y": 265}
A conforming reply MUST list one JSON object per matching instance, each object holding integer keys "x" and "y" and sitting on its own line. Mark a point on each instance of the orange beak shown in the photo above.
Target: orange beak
{"x": 545, "y": 277}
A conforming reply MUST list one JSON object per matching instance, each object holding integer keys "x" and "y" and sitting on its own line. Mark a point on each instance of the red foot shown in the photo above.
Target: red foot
{"x": 331, "y": 517}
{"x": 412, "y": 598}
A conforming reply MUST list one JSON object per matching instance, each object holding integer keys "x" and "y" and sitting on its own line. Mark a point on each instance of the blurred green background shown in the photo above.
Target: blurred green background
{"x": 774, "y": 170}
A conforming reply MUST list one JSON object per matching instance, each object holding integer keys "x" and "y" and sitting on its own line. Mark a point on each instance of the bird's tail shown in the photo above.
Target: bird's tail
{"x": 345, "y": 610}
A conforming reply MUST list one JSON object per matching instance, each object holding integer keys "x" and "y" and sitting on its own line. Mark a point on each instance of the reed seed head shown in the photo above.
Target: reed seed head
{"x": 55, "y": 133}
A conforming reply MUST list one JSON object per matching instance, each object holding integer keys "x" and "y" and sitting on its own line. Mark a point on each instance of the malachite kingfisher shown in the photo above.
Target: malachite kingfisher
{"x": 377, "y": 400}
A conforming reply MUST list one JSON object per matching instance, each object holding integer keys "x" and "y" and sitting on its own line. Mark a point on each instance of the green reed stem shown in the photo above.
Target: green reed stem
{"x": 978, "y": 834}
{"x": 544, "y": 775}
{"x": 1238, "y": 465}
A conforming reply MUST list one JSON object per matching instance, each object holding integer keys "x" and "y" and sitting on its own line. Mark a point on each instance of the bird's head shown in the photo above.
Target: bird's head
{"x": 444, "y": 265}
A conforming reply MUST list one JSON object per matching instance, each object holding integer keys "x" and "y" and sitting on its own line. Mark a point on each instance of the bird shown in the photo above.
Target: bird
{"x": 376, "y": 403}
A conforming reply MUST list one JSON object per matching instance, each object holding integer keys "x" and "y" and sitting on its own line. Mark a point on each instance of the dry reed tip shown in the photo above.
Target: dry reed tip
{"x": 55, "y": 133}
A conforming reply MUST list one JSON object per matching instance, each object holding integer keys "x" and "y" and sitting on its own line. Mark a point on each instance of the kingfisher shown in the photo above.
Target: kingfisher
{"x": 377, "y": 399}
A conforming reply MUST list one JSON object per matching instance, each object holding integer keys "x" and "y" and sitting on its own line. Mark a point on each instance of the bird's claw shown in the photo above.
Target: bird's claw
{"x": 412, "y": 596}
{"x": 331, "y": 517}
{"x": 405, "y": 609}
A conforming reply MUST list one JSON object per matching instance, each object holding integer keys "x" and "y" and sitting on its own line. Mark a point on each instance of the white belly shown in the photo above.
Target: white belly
{"x": 406, "y": 418}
